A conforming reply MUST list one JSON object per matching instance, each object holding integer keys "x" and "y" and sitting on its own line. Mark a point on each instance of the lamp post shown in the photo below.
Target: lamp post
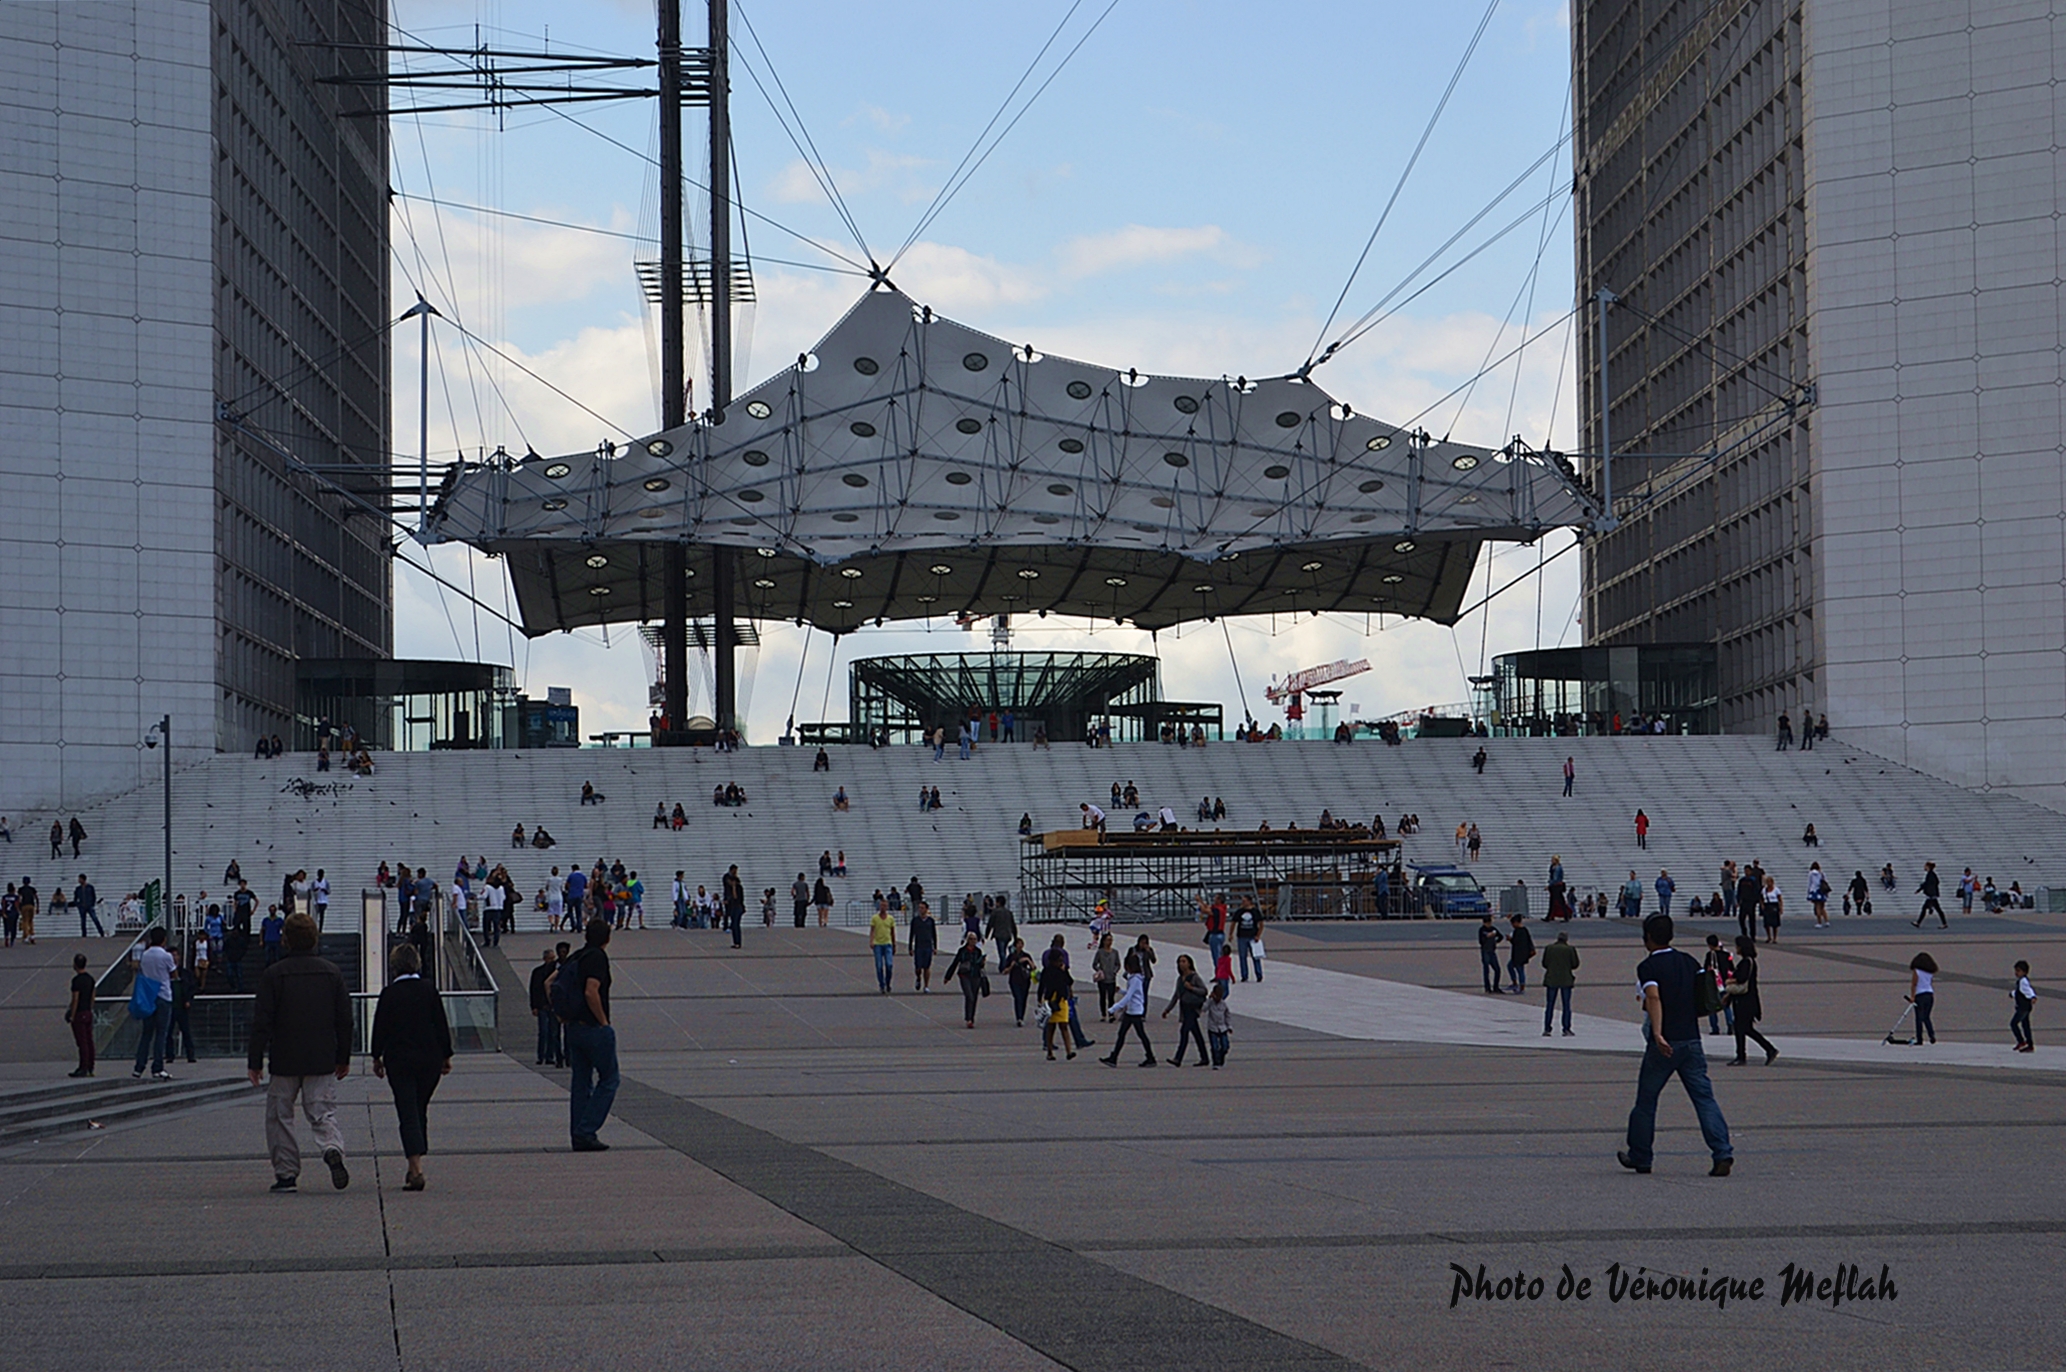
{"x": 163, "y": 730}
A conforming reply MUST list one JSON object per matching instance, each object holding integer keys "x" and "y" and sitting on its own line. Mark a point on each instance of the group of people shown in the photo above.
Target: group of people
{"x": 538, "y": 838}
{"x": 1812, "y": 729}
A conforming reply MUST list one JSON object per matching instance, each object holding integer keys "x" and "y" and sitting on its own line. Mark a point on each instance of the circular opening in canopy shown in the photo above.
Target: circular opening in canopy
{"x": 753, "y": 497}
{"x": 1276, "y": 471}
{"x": 660, "y": 447}
{"x": 656, "y": 484}
{"x": 1186, "y": 404}
{"x": 1059, "y": 489}
{"x": 1404, "y": 545}
{"x": 1115, "y": 581}
{"x": 1071, "y": 445}
{"x": 947, "y": 516}
{"x": 1047, "y": 519}
{"x": 941, "y": 569}
{"x": 763, "y": 552}
{"x": 1028, "y": 574}
{"x": 976, "y": 362}
{"x": 1369, "y": 487}
{"x": 765, "y": 583}
{"x": 959, "y": 478}
{"x": 861, "y": 428}
{"x": 557, "y": 470}
{"x": 846, "y": 517}
{"x": 555, "y": 504}
{"x": 758, "y": 409}
{"x": 1176, "y": 459}
{"x": 969, "y": 426}
{"x": 754, "y": 457}
{"x": 855, "y": 479}
{"x": 598, "y": 590}
{"x": 1379, "y": 443}
{"x": 1079, "y": 390}
{"x": 1290, "y": 419}
{"x": 1464, "y": 462}
{"x": 866, "y": 366}
{"x": 596, "y": 560}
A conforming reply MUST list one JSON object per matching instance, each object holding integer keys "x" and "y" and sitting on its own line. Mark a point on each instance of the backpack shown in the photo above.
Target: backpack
{"x": 568, "y": 994}
{"x": 1707, "y": 995}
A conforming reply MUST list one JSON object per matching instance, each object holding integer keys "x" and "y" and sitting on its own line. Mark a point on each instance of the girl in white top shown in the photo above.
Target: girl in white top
{"x": 1922, "y": 990}
{"x": 2026, "y": 996}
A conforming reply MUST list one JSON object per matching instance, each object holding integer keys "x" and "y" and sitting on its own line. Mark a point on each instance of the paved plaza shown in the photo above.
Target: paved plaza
{"x": 805, "y": 1174}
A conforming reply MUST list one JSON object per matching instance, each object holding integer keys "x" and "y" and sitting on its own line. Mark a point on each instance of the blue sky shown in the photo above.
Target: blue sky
{"x": 1188, "y": 195}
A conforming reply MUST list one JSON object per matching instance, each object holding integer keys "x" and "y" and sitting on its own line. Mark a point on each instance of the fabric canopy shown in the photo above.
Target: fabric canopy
{"x": 910, "y": 466}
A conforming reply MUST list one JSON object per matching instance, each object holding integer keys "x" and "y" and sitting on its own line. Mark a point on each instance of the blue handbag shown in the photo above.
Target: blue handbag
{"x": 143, "y": 1000}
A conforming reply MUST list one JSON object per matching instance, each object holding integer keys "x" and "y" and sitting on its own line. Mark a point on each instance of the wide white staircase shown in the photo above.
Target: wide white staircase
{"x": 1707, "y": 798}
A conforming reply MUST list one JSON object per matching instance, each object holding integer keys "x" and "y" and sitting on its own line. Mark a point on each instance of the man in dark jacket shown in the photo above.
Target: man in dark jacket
{"x": 303, "y": 1015}
{"x": 549, "y": 1050}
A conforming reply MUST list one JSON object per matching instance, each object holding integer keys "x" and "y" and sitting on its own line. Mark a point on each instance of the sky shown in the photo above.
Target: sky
{"x": 1188, "y": 193}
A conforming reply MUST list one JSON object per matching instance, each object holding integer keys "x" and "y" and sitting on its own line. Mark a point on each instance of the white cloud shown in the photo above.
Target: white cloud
{"x": 1139, "y": 245}
{"x": 899, "y": 174}
{"x": 882, "y": 119}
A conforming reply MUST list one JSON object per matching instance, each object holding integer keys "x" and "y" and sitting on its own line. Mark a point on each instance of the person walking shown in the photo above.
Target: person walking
{"x": 1968, "y": 887}
{"x": 1219, "y": 1026}
{"x": 800, "y": 899}
{"x": 1191, "y": 995}
{"x": 882, "y": 942}
{"x": 541, "y": 1010}
{"x": 79, "y": 1014}
{"x": 1003, "y": 926}
{"x": 1520, "y": 951}
{"x": 924, "y": 941}
{"x": 2019, "y": 1023}
{"x": 1489, "y": 939}
{"x": 1559, "y": 976}
{"x": 1669, "y": 982}
{"x": 735, "y": 905}
{"x": 580, "y": 993}
{"x": 1248, "y": 936}
{"x": 1771, "y": 906}
{"x": 57, "y": 841}
{"x": 302, "y": 1018}
{"x": 1727, "y": 885}
{"x": 1717, "y": 964}
{"x": 967, "y": 965}
{"x": 1570, "y": 775}
{"x": 1642, "y": 830}
{"x": 1213, "y": 915}
{"x": 25, "y": 899}
{"x": 1818, "y": 895}
{"x": 78, "y": 834}
{"x": 821, "y": 896}
{"x": 1860, "y": 893}
{"x": 1057, "y": 991}
{"x": 1104, "y": 974}
{"x": 1746, "y": 1005}
{"x": 1665, "y": 886}
{"x": 1132, "y": 1008}
{"x": 1018, "y": 975}
{"x": 85, "y": 899}
{"x": 1750, "y": 889}
{"x": 1930, "y": 889}
{"x": 154, "y": 966}
{"x": 412, "y": 1050}
{"x": 1922, "y": 993}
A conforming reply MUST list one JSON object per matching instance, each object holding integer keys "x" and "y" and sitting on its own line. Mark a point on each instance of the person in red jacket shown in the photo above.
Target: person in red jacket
{"x": 1642, "y": 830}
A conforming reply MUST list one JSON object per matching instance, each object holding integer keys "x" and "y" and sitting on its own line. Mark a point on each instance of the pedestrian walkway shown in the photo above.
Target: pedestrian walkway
{"x": 1359, "y": 1007}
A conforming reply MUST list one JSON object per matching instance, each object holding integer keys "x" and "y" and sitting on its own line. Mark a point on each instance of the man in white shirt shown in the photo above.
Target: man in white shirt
{"x": 155, "y": 965}
{"x": 1168, "y": 818}
{"x": 319, "y": 896}
{"x": 459, "y": 901}
{"x": 492, "y": 902}
{"x": 1093, "y": 817}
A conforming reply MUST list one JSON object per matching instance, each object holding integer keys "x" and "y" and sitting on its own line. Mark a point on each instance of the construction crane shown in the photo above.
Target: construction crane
{"x": 1300, "y": 682}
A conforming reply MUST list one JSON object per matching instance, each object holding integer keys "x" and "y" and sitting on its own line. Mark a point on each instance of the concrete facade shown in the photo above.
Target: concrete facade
{"x": 1873, "y": 345}
{"x": 162, "y": 250}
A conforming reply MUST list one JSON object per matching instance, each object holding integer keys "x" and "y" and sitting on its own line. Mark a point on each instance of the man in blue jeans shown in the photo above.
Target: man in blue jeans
{"x": 155, "y": 965}
{"x": 591, "y": 1043}
{"x": 1671, "y": 1044}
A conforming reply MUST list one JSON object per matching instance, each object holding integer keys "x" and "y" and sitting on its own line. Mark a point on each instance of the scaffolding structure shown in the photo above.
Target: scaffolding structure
{"x": 1156, "y": 877}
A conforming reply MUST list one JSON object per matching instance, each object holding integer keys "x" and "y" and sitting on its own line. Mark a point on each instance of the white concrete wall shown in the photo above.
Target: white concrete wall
{"x": 1933, "y": 144}
{"x": 107, "y": 532}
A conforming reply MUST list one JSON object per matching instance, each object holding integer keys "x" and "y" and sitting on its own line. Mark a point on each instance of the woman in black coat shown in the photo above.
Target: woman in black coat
{"x": 1746, "y": 1008}
{"x": 412, "y": 1048}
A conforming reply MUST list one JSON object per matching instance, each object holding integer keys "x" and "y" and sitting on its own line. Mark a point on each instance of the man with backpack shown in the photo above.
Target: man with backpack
{"x": 580, "y": 996}
{"x": 1675, "y": 992}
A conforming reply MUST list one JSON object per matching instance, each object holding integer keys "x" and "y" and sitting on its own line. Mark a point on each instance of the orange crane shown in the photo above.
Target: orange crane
{"x": 1293, "y": 687}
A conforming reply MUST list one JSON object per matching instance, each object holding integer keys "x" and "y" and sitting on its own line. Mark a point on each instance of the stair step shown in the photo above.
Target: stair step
{"x": 139, "y": 1099}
